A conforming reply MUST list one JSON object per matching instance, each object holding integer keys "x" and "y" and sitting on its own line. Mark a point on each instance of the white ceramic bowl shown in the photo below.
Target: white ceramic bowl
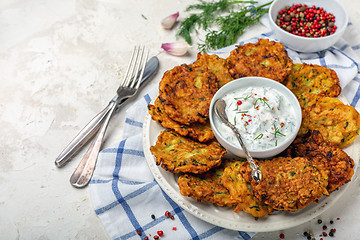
{"x": 255, "y": 82}
{"x": 306, "y": 44}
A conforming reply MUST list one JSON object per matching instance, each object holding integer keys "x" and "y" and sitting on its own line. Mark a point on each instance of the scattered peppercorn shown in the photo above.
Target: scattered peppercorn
{"x": 153, "y": 216}
{"x": 146, "y": 238}
{"x": 172, "y": 217}
{"x": 282, "y": 236}
{"x": 167, "y": 214}
{"x": 319, "y": 221}
{"x": 306, "y": 234}
{"x": 306, "y": 21}
{"x": 324, "y": 227}
{"x": 331, "y": 221}
{"x": 160, "y": 233}
{"x": 139, "y": 232}
{"x": 174, "y": 228}
{"x": 324, "y": 234}
{"x": 308, "y": 237}
{"x": 332, "y": 232}
{"x": 337, "y": 218}
{"x": 156, "y": 237}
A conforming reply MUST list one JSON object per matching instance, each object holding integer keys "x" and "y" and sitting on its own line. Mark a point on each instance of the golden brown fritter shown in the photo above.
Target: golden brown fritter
{"x": 207, "y": 186}
{"x": 242, "y": 192}
{"x": 328, "y": 155}
{"x": 197, "y": 131}
{"x": 264, "y": 59}
{"x": 216, "y": 65}
{"x": 289, "y": 183}
{"x": 180, "y": 154}
{"x": 338, "y": 123}
{"x": 307, "y": 80}
{"x": 186, "y": 93}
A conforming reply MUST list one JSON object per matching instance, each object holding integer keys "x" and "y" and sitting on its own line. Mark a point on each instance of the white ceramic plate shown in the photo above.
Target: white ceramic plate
{"x": 225, "y": 217}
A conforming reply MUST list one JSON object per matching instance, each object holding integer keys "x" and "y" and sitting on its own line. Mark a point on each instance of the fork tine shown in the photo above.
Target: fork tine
{"x": 126, "y": 77}
{"x": 132, "y": 65}
{"x": 142, "y": 70}
{"x": 138, "y": 64}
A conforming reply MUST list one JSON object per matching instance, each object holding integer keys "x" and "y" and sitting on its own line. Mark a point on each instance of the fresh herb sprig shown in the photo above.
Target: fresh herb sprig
{"x": 230, "y": 26}
{"x": 277, "y": 132}
{"x": 264, "y": 102}
{"x": 205, "y": 18}
{"x": 244, "y": 98}
{"x": 259, "y": 136}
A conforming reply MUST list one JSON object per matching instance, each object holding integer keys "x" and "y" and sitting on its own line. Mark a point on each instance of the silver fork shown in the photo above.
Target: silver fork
{"x": 128, "y": 88}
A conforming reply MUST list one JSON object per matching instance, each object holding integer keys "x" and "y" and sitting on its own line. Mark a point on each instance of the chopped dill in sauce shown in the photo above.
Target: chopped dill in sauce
{"x": 262, "y": 115}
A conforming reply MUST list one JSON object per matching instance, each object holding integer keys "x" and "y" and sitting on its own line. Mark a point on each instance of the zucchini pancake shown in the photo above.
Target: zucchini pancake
{"x": 306, "y": 80}
{"x": 207, "y": 186}
{"x": 242, "y": 192}
{"x": 289, "y": 183}
{"x": 197, "y": 131}
{"x": 338, "y": 123}
{"x": 263, "y": 59}
{"x": 186, "y": 93}
{"x": 176, "y": 153}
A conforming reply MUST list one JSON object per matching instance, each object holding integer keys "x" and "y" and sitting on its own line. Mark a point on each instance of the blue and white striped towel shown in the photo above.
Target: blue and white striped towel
{"x": 124, "y": 192}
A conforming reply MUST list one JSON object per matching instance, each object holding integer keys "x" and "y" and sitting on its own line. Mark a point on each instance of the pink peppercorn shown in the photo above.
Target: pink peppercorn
{"x": 298, "y": 19}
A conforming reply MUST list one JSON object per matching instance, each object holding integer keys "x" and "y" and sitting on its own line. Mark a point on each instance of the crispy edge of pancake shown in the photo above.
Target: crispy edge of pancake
{"x": 264, "y": 59}
{"x": 289, "y": 183}
{"x": 186, "y": 93}
{"x": 241, "y": 191}
{"x": 176, "y": 153}
{"x": 197, "y": 131}
{"x": 339, "y": 164}
{"x": 207, "y": 186}
{"x": 338, "y": 123}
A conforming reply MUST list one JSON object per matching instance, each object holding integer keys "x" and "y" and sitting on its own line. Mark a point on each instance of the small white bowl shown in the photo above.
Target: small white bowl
{"x": 307, "y": 44}
{"x": 255, "y": 82}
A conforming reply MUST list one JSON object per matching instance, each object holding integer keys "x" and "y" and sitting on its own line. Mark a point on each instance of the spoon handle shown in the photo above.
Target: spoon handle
{"x": 255, "y": 171}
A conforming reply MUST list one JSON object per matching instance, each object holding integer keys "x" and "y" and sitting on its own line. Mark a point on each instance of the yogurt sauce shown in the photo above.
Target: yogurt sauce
{"x": 262, "y": 115}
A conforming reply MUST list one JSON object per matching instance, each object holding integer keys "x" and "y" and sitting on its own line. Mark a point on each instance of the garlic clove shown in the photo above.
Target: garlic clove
{"x": 176, "y": 48}
{"x": 169, "y": 21}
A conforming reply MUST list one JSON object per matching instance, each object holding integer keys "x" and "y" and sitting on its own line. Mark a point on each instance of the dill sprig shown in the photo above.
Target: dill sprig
{"x": 205, "y": 18}
{"x": 277, "y": 132}
{"x": 264, "y": 102}
{"x": 244, "y": 98}
{"x": 230, "y": 26}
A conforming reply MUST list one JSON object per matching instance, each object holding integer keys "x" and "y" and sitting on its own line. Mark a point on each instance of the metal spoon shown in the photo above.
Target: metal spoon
{"x": 219, "y": 107}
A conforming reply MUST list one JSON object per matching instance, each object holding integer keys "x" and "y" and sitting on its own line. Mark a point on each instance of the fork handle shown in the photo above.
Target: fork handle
{"x": 83, "y": 136}
{"x": 82, "y": 174}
